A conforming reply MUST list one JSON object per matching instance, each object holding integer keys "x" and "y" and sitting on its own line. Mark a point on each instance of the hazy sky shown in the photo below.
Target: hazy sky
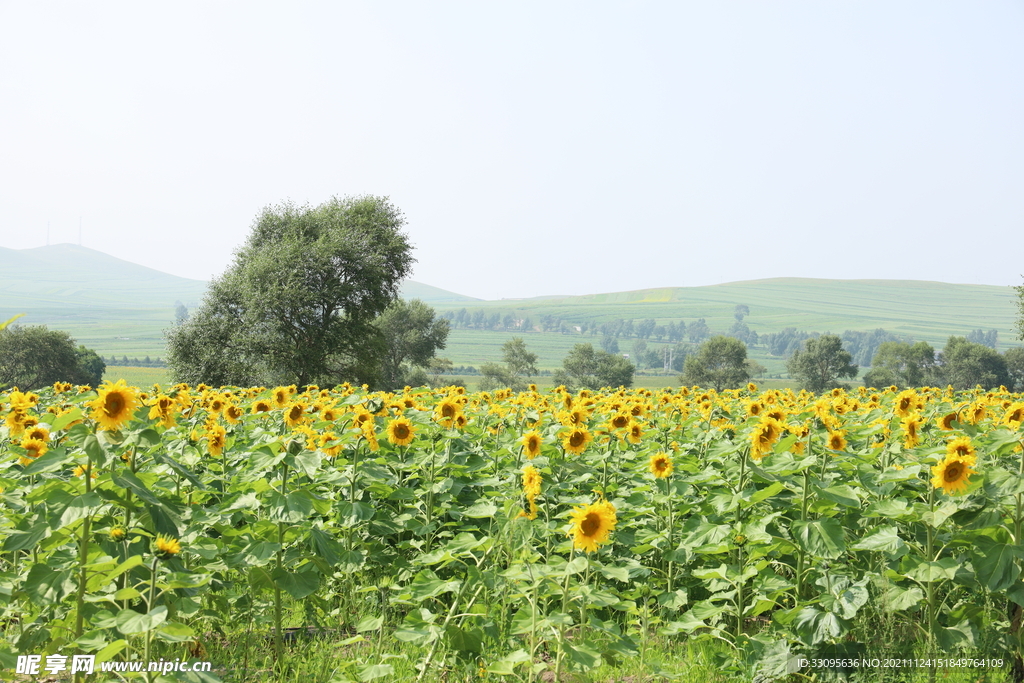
{"x": 535, "y": 148}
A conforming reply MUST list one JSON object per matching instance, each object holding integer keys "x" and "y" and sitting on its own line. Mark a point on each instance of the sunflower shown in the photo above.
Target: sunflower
{"x": 912, "y": 430}
{"x": 764, "y": 436}
{"x": 215, "y": 438}
{"x": 635, "y": 433}
{"x": 532, "y": 442}
{"x": 370, "y": 433}
{"x": 37, "y": 432}
{"x": 946, "y": 422}
{"x": 166, "y": 546}
{"x": 281, "y": 396}
{"x": 905, "y": 402}
{"x": 232, "y": 413}
{"x": 531, "y": 481}
{"x": 401, "y": 432}
{"x": 576, "y": 441}
{"x": 261, "y": 406}
{"x": 837, "y": 440}
{"x": 1014, "y": 415}
{"x": 295, "y": 414}
{"x": 33, "y": 449}
{"x": 962, "y": 449}
{"x": 592, "y": 524}
{"x": 661, "y": 465}
{"x": 446, "y": 411}
{"x": 619, "y": 421}
{"x": 951, "y": 475}
{"x": 114, "y": 405}
{"x": 329, "y": 444}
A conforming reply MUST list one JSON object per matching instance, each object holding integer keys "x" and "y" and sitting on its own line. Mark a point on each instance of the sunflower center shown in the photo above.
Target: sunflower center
{"x": 590, "y": 524}
{"x": 401, "y": 431}
{"x": 953, "y": 472}
{"x": 576, "y": 439}
{"x": 114, "y": 404}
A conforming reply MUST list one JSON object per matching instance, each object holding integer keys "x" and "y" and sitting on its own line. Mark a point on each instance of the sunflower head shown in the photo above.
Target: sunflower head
{"x": 261, "y": 406}
{"x": 952, "y": 474}
{"x": 946, "y": 422}
{"x": 576, "y": 441}
{"x": 401, "y": 432}
{"x": 661, "y": 465}
{"x": 592, "y": 525}
{"x": 837, "y": 440}
{"x": 114, "y": 405}
{"x": 532, "y": 442}
{"x": 962, "y": 449}
{"x": 166, "y": 546}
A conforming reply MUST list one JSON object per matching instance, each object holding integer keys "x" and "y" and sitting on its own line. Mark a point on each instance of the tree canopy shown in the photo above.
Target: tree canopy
{"x": 821, "y": 363}
{"x": 34, "y": 357}
{"x": 411, "y": 335}
{"x": 901, "y": 364}
{"x": 519, "y": 364}
{"x": 719, "y": 363}
{"x": 586, "y": 368}
{"x": 965, "y": 365}
{"x": 299, "y": 301}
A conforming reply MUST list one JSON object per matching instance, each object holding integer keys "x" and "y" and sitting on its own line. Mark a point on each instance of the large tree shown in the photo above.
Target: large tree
{"x": 965, "y": 365}
{"x": 411, "y": 335}
{"x": 719, "y": 363}
{"x": 519, "y": 364}
{"x": 586, "y": 368}
{"x": 34, "y": 357}
{"x": 901, "y": 364}
{"x": 298, "y": 303}
{"x": 821, "y": 363}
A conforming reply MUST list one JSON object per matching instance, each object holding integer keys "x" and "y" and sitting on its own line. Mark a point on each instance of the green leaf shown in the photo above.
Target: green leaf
{"x": 926, "y": 572}
{"x": 48, "y": 462}
{"x": 844, "y": 495}
{"x": 369, "y": 624}
{"x": 130, "y": 622}
{"x": 293, "y": 508}
{"x": 48, "y": 586}
{"x": 481, "y": 510}
{"x": 80, "y": 507}
{"x": 814, "y": 626}
{"x": 325, "y": 546}
{"x": 173, "y": 632}
{"x": 464, "y": 639}
{"x": 308, "y": 462}
{"x": 126, "y": 479}
{"x": 584, "y": 655}
{"x": 297, "y": 584}
{"x": 374, "y": 671}
{"x": 883, "y": 539}
{"x": 820, "y": 537}
{"x": 506, "y": 665}
{"x": 22, "y": 540}
{"x": 994, "y": 563}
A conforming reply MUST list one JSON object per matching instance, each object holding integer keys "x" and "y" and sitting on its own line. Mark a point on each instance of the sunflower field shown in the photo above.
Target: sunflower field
{"x": 437, "y": 535}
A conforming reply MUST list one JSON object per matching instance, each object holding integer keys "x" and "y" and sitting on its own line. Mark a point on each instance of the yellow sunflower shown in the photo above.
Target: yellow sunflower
{"x": 215, "y": 438}
{"x": 763, "y": 437}
{"x": 166, "y": 546}
{"x": 619, "y": 421}
{"x": 261, "y": 406}
{"x": 446, "y": 411}
{"x": 837, "y": 440}
{"x": 33, "y": 449}
{"x": 1014, "y": 415}
{"x": 532, "y": 442}
{"x": 952, "y": 474}
{"x": 946, "y": 422}
{"x": 295, "y": 414}
{"x": 401, "y": 432}
{"x": 233, "y": 414}
{"x": 114, "y": 405}
{"x": 329, "y": 444}
{"x": 592, "y": 524}
{"x": 661, "y": 465}
{"x": 635, "y": 433}
{"x": 531, "y": 481}
{"x": 576, "y": 441}
{"x": 912, "y": 430}
{"x": 37, "y": 432}
{"x": 962, "y": 449}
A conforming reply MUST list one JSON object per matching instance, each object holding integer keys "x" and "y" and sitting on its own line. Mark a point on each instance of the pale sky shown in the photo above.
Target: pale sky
{"x": 535, "y": 147}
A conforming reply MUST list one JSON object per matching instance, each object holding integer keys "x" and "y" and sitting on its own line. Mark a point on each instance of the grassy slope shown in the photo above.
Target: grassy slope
{"x": 119, "y": 308}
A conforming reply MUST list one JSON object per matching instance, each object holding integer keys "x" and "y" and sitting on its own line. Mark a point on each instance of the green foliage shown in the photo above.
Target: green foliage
{"x": 965, "y": 365}
{"x": 4, "y": 324}
{"x": 820, "y": 365}
{"x": 720, "y": 363}
{"x": 91, "y": 366}
{"x": 901, "y": 364}
{"x": 299, "y": 301}
{"x": 1020, "y": 311}
{"x": 411, "y": 335}
{"x": 587, "y": 368}
{"x": 34, "y": 357}
{"x": 519, "y": 364}
{"x": 1014, "y": 359}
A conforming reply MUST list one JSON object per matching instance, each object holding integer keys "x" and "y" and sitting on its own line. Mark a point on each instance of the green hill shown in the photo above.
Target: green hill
{"x": 121, "y": 308}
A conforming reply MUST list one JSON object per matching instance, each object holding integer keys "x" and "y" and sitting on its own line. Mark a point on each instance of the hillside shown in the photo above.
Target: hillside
{"x": 121, "y": 308}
